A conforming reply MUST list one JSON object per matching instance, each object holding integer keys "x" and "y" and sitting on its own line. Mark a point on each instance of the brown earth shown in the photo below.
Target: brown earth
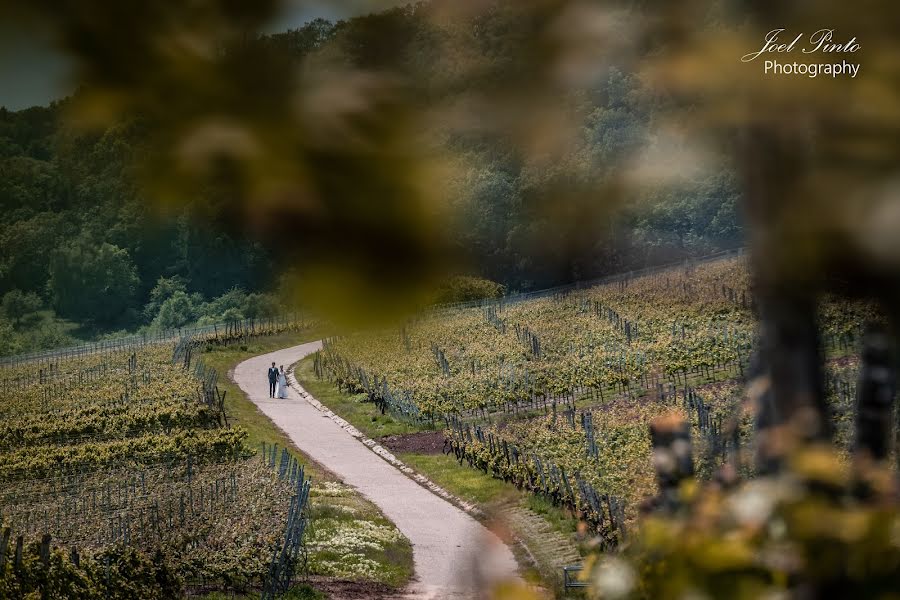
{"x": 843, "y": 361}
{"x": 353, "y": 590}
{"x": 425, "y": 442}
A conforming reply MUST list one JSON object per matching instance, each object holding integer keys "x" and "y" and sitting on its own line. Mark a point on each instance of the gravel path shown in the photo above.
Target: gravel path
{"x": 454, "y": 554}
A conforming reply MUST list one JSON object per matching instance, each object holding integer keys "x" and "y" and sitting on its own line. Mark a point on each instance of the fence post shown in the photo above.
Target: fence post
{"x": 45, "y": 550}
{"x": 4, "y": 544}
{"x": 17, "y": 563}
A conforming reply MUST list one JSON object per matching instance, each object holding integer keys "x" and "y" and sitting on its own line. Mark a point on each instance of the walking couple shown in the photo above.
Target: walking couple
{"x": 277, "y": 382}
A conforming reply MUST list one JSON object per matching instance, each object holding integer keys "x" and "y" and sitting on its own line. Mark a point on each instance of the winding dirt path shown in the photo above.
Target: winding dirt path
{"x": 454, "y": 555}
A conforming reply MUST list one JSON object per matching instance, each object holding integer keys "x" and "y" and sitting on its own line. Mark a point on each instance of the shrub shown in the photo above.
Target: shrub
{"x": 464, "y": 288}
{"x": 18, "y": 304}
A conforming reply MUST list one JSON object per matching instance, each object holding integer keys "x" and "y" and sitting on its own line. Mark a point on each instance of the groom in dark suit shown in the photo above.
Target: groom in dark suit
{"x": 273, "y": 379}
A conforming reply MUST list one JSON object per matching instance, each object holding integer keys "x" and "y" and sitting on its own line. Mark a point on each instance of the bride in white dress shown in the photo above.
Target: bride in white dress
{"x": 281, "y": 387}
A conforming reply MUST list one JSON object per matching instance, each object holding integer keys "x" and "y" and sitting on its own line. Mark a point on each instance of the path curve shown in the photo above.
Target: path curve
{"x": 451, "y": 550}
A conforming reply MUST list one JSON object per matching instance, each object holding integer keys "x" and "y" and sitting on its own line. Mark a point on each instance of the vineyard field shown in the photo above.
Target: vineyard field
{"x": 556, "y": 392}
{"x": 126, "y": 452}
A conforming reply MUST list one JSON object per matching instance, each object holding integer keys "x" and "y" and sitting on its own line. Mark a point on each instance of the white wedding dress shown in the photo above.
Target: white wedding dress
{"x": 281, "y": 388}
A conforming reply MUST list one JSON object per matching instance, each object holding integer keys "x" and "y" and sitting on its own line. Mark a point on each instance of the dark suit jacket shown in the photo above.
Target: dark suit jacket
{"x": 273, "y": 374}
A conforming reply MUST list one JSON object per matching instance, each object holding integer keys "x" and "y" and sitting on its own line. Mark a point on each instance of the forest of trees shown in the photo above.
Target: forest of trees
{"x": 78, "y": 242}
{"x": 84, "y": 252}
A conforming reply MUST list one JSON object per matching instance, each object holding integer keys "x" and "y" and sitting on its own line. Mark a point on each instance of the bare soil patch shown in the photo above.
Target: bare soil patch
{"x": 424, "y": 442}
{"x": 337, "y": 589}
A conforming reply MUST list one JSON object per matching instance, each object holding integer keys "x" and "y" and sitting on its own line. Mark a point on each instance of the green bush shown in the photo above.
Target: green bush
{"x": 176, "y": 311}
{"x": 17, "y": 305}
{"x": 165, "y": 288}
{"x": 92, "y": 282}
{"x": 464, "y": 288}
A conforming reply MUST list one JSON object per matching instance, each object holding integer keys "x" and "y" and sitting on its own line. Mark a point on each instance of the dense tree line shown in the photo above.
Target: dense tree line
{"x": 79, "y": 240}
{"x": 79, "y": 243}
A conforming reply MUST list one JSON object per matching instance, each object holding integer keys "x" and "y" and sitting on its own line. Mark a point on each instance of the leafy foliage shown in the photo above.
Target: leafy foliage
{"x": 116, "y": 574}
{"x": 804, "y": 533}
{"x": 17, "y": 305}
{"x": 91, "y": 282}
{"x": 464, "y": 288}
